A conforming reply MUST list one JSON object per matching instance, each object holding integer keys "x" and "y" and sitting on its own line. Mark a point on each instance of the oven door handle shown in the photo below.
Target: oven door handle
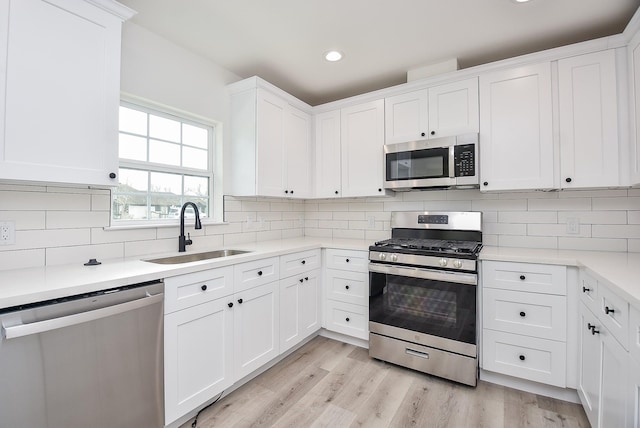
{"x": 435, "y": 275}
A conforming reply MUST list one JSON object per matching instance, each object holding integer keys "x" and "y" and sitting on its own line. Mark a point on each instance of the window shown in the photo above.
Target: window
{"x": 165, "y": 161}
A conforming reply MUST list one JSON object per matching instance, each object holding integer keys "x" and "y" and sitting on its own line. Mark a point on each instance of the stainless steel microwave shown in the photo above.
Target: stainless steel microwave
{"x": 437, "y": 162}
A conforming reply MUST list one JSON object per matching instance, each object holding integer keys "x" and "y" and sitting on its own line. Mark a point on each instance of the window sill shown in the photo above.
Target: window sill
{"x": 150, "y": 225}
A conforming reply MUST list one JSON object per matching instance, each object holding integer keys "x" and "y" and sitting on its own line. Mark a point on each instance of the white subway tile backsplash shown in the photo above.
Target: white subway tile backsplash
{"x": 567, "y": 204}
{"x": 18, "y": 259}
{"x": 404, "y": 206}
{"x": 504, "y": 228}
{"x": 592, "y": 244}
{"x": 82, "y": 253}
{"x": 143, "y": 249}
{"x": 350, "y": 234}
{"x": 527, "y": 241}
{"x": 616, "y": 231}
{"x": 584, "y": 230}
{"x": 528, "y": 217}
{"x": 101, "y": 203}
{"x": 239, "y": 238}
{"x": 447, "y": 205}
{"x": 634, "y": 245}
{"x": 608, "y": 204}
{"x": 594, "y": 217}
{"x": 31, "y": 239}
{"x": 76, "y": 219}
{"x": 28, "y": 201}
{"x": 101, "y": 236}
{"x": 499, "y": 205}
{"x": 606, "y": 193}
{"x": 349, "y": 215}
{"x": 25, "y": 220}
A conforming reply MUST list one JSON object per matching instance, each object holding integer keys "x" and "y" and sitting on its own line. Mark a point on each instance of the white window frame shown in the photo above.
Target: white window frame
{"x": 214, "y": 162}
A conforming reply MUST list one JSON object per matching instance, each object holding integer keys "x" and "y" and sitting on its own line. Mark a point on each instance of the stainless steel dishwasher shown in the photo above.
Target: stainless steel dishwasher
{"x": 93, "y": 360}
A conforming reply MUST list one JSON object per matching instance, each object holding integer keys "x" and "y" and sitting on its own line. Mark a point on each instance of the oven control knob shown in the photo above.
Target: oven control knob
{"x": 382, "y": 256}
{"x": 443, "y": 262}
{"x": 394, "y": 257}
{"x": 457, "y": 264}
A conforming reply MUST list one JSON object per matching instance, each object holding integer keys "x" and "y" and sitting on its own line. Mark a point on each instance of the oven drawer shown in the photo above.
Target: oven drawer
{"x": 356, "y": 261}
{"x": 530, "y": 277}
{"x": 529, "y": 314}
{"x": 350, "y": 287}
{"x": 346, "y": 318}
{"x": 532, "y": 358}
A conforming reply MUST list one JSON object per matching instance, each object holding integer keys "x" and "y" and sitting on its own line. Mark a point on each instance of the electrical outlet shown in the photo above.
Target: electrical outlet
{"x": 7, "y": 233}
{"x": 573, "y": 226}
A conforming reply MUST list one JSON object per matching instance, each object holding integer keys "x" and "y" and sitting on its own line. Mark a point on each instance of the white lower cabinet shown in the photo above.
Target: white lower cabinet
{"x": 198, "y": 356}
{"x": 346, "y": 304}
{"x": 300, "y": 314}
{"x": 524, "y": 317}
{"x": 633, "y": 397}
{"x": 605, "y": 369}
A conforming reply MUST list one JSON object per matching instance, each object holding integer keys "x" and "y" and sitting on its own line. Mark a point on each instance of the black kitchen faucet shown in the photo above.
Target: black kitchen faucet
{"x": 182, "y": 241}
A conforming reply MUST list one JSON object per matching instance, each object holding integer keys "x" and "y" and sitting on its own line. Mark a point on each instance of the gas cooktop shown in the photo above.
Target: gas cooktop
{"x": 440, "y": 246}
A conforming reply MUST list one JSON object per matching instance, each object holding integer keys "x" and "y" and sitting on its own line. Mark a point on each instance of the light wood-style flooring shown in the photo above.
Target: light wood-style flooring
{"x": 327, "y": 383}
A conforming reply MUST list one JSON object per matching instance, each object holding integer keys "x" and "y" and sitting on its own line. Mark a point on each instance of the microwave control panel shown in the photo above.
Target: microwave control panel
{"x": 465, "y": 160}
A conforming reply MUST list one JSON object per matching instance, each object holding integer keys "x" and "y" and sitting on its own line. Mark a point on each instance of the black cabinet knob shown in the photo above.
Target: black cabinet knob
{"x": 523, "y": 314}
{"x": 301, "y": 280}
{"x": 585, "y": 289}
{"x": 306, "y": 278}
{"x": 522, "y": 277}
{"x": 379, "y": 190}
{"x": 259, "y": 273}
{"x": 346, "y": 286}
{"x": 522, "y": 357}
{"x": 230, "y": 304}
{"x": 422, "y": 134}
{"x": 112, "y": 175}
{"x": 286, "y": 191}
{"x": 608, "y": 310}
{"x": 568, "y": 179}
{"x": 347, "y": 260}
{"x": 347, "y": 319}
{"x": 486, "y": 183}
{"x": 204, "y": 287}
{"x": 240, "y": 301}
{"x": 336, "y": 192}
{"x": 292, "y": 192}
{"x": 433, "y": 132}
{"x": 304, "y": 262}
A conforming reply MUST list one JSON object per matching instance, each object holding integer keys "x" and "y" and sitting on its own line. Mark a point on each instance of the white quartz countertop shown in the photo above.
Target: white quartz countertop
{"x": 621, "y": 270}
{"x": 30, "y": 285}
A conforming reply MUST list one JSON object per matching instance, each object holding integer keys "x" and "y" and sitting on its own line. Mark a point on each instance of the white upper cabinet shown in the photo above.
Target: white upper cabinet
{"x": 362, "y": 149}
{"x": 634, "y": 59}
{"x": 328, "y": 179}
{"x": 440, "y": 111}
{"x": 516, "y": 135}
{"x": 588, "y": 110}
{"x": 271, "y": 145}
{"x": 453, "y": 108}
{"x": 60, "y": 90}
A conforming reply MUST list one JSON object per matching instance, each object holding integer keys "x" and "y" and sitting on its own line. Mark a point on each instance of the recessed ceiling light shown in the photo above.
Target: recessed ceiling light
{"x": 333, "y": 56}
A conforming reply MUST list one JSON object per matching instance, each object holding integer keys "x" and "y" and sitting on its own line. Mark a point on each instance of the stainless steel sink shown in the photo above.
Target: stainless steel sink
{"x": 194, "y": 257}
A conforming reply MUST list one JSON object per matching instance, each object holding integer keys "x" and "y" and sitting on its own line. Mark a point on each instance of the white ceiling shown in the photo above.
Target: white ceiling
{"x": 283, "y": 41}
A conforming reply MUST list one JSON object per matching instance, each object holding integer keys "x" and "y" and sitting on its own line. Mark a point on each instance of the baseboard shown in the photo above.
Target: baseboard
{"x": 344, "y": 338}
{"x": 564, "y": 394}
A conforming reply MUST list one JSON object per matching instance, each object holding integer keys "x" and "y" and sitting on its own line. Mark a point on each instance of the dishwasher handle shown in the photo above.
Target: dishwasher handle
{"x": 79, "y": 318}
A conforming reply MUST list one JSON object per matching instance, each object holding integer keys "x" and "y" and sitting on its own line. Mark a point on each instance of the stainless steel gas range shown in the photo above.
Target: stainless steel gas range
{"x": 422, "y": 294}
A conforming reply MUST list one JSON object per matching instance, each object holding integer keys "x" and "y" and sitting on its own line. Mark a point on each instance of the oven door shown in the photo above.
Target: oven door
{"x": 432, "y": 302}
{"x": 419, "y": 164}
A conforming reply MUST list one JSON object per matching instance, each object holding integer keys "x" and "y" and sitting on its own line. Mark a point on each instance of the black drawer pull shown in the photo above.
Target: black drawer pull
{"x": 523, "y": 314}
{"x": 590, "y": 326}
{"x": 303, "y": 262}
{"x": 608, "y": 310}
{"x": 306, "y": 278}
{"x": 259, "y": 273}
{"x": 301, "y": 280}
{"x": 585, "y": 289}
{"x": 594, "y": 331}
{"x": 240, "y": 301}
{"x": 522, "y": 357}
{"x": 347, "y": 260}
{"x": 347, "y": 319}
{"x": 230, "y": 304}
{"x": 346, "y": 286}
{"x": 522, "y": 277}
{"x": 204, "y": 287}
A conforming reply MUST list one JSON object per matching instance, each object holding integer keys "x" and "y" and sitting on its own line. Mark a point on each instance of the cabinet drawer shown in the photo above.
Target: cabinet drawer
{"x": 588, "y": 290}
{"x": 529, "y": 314}
{"x": 251, "y": 274}
{"x": 346, "y": 318}
{"x": 614, "y": 314}
{"x": 195, "y": 288}
{"x": 350, "y": 287}
{"x": 634, "y": 333}
{"x": 535, "y": 278}
{"x": 525, "y": 357}
{"x": 356, "y": 261}
{"x": 297, "y": 263}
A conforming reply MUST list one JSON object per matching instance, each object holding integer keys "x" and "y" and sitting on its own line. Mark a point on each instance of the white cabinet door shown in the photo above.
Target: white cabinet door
{"x": 297, "y": 153}
{"x": 453, "y": 108}
{"x": 59, "y": 91}
{"x": 256, "y": 327}
{"x": 362, "y": 149}
{"x": 405, "y": 117}
{"x": 516, "y": 137}
{"x": 198, "y": 356}
{"x": 633, "y": 401}
{"x": 613, "y": 390}
{"x": 589, "y": 363}
{"x": 588, "y": 105}
{"x": 634, "y": 58}
{"x": 270, "y": 136}
{"x": 299, "y": 308}
{"x": 328, "y": 179}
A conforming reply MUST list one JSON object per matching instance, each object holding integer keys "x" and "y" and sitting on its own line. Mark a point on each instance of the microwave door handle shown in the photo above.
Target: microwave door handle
{"x": 452, "y": 162}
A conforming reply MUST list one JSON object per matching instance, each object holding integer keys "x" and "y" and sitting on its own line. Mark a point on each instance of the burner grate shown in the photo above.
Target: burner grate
{"x": 437, "y": 245}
